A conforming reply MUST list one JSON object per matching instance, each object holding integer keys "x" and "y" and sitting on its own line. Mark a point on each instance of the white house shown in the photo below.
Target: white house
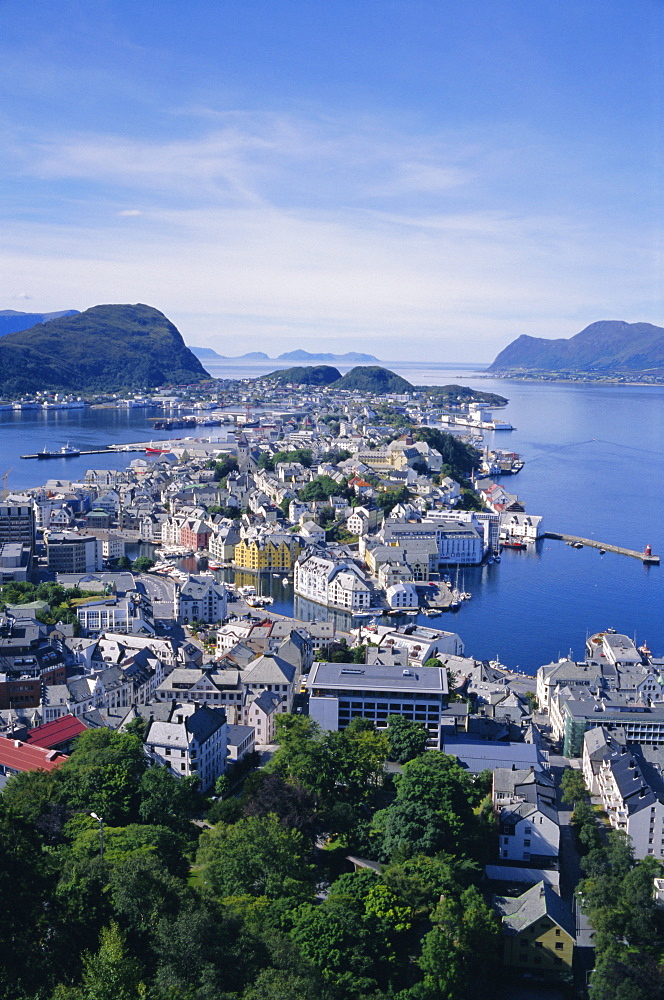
{"x": 192, "y": 743}
{"x": 336, "y": 583}
{"x": 201, "y": 598}
{"x": 529, "y": 831}
{"x": 402, "y": 595}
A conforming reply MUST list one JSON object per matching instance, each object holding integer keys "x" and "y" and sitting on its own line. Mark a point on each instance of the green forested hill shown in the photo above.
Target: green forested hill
{"x": 104, "y": 349}
{"x": 306, "y": 375}
{"x": 372, "y": 378}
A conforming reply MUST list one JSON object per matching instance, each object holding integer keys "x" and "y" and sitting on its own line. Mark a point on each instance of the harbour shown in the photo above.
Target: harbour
{"x": 580, "y": 444}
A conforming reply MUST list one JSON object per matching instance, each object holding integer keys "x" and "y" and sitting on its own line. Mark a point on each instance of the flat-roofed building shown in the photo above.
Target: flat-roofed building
{"x": 341, "y": 692}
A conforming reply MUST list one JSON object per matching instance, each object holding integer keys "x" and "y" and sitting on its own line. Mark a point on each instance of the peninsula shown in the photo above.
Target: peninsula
{"x": 603, "y": 348}
{"x": 104, "y": 349}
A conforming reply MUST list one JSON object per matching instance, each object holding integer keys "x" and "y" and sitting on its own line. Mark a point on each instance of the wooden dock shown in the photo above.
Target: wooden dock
{"x": 645, "y": 557}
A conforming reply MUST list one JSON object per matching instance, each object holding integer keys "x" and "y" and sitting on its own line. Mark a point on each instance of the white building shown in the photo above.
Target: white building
{"x": 526, "y": 527}
{"x": 421, "y": 643}
{"x": 529, "y": 831}
{"x": 118, "y": 614}
{"x": 192, "y": 743}
{"x": 630, "y": 783}
{"x": 335, "y": 583}
{"x": 402, "y": 595}
{"x": 201, "y": 598}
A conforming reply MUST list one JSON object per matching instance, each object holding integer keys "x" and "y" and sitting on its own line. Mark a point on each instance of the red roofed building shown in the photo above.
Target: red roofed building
{"x": 56, "y": 735}
{"x": 16, "y": 757}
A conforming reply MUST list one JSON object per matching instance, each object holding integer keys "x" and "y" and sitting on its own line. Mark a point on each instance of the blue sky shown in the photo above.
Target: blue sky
{"x": 421, "y": 179}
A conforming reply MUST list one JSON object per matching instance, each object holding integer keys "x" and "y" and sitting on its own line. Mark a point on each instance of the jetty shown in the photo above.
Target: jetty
{"x": 645, "y": 557}
{"x": 110, "y": 450}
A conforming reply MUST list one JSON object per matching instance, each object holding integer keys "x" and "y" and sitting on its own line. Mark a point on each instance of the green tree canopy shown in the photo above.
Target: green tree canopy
{"x": 406, "y": 739}
{"x": 103, "y": 775}
{"x": 256, "y": 856}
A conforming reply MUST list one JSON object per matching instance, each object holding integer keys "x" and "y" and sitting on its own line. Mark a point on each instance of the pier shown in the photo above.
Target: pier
{"x": 645, "y": 557}
{"x": 111, "y": 450}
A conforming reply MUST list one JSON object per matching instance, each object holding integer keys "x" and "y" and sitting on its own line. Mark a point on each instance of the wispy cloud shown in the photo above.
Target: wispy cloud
{"x": 270, "y": 228}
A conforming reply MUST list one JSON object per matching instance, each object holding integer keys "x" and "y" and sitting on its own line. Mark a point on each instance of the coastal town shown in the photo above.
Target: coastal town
{"x": 367, "y": 509}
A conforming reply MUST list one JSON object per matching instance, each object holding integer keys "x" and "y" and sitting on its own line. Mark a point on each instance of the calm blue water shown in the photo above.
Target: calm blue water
{"x": 594, "y": 466}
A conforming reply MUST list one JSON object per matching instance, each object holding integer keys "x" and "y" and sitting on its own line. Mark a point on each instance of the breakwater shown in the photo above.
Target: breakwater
{"x": 646, "y": 556}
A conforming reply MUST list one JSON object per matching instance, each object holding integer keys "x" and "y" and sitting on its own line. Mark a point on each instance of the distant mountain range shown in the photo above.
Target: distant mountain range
{"x": 13, "y": 322}
{"x": 108, "y": 348}
{"x": 605, "y": 346}
{"x": 352, "y": 357}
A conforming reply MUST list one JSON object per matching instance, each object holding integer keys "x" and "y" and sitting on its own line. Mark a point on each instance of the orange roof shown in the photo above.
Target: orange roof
{"x": 19, "y": 756}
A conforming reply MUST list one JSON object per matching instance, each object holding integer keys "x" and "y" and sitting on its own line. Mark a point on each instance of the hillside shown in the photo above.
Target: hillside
{"x": 104, "y": 349}
{"x": 13, "y": 322}
{"x": 373, "y": 379}
{"x": 306, "y": 375}
{"x": 608, "y": 345}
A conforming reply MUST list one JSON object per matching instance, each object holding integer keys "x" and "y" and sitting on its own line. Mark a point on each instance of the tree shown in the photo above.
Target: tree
{"x": 465, "y": 928}
{"x": 406, "y": 739}
{"x": 222, "y": 466}
{"x": 292, "y": 804}
{"x": 256, "y": 856}
{"x": 168, "y": 801}
{"x": 142, "y": 564}
{"x": 103, "y": 775}
{"x": 433, "y": 808}
{"x": 531, "y": 698}
{"x": 123, "y": 563}
{"x": 322, "y": 488}
{"x": 572, "y": 786}
{"x": 110, "y": 974}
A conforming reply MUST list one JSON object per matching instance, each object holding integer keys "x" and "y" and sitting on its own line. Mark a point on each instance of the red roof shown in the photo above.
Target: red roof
{"x": 52, "y": 734}
{"x": 19, "y": 756}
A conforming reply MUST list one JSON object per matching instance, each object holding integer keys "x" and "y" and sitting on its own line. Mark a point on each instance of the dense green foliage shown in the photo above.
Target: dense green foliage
{"x": 177, "y": 911}
{"x": 617, "y": 894}
{"x": 373, "y": 378}
{"x": 222, "y": 466}
{"x": 104, "y": 349}
{"x": 61, "y": 606}
{"x": 457, "y": 455}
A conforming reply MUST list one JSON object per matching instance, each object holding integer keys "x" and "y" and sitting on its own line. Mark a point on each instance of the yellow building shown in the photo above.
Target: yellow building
{"x": 538, "y": 931}
{"x": 270, "y": 552}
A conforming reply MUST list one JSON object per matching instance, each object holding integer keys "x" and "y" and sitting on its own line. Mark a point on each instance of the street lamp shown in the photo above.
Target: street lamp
{"x": 100, "y": 820}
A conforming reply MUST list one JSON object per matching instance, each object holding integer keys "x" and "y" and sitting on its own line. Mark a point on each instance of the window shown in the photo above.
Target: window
{"x": 559, "y": 946}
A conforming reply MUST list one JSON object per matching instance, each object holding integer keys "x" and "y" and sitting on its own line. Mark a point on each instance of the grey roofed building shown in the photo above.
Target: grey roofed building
{"x": 347, "y": 676}
{"x": 520, "y": 912}
{"x": 340, "y": 692}
{"x": 483, "y": 755}
{"x": 522, "y": 783}
{"x": 267, "y": 701}
{"x": 269, "y": 669}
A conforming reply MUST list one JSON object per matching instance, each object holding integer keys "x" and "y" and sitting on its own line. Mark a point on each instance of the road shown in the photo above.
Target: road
{"x": 161, "y": 592}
